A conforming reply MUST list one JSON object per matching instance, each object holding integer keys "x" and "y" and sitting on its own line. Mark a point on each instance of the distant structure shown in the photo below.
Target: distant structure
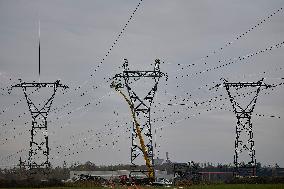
{"x": 140, "y": 110}
{"x": 244, "y": 133}
{"x": 167, "y": 158}
{"x": 158, "y": 161}
{"x": 38, "y": 158}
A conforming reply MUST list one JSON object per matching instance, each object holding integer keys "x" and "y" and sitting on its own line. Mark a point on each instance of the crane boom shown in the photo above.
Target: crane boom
{"x": 141, "y": 140}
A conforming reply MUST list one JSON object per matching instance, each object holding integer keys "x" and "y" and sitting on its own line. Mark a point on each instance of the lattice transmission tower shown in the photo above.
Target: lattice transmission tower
{"x": 142, "y": 138}
{"x": 39, "y": 150}
{"x": 244, "y": 141}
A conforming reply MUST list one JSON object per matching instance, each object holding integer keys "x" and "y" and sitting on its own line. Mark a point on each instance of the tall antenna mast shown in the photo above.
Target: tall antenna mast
{"x": 39, "y": 50}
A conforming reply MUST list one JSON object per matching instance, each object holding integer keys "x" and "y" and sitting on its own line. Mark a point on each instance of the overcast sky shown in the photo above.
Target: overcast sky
{"x": 76, "y": 36}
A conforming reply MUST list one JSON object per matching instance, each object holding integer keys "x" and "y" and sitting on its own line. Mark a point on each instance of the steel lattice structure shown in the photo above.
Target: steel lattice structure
{"x": 141, "y": 108}
{"x": 39, "y": 149}
{"x": 244, "y": 127}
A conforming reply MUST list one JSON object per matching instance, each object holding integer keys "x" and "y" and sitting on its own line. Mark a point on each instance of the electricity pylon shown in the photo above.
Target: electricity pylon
{"x": 244, "y": 127}
{"x": 39, "y": 149}
{"x": 140, "y": 112}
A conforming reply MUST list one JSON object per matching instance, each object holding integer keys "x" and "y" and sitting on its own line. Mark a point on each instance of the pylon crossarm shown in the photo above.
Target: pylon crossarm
{"x": 56, "y": 84}
{"x": 247, "y": 84}
{"x": 152, "y": 74}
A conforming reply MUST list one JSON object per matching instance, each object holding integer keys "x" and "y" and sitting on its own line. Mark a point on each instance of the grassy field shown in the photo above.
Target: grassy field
{"x": 221, "y": 186}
